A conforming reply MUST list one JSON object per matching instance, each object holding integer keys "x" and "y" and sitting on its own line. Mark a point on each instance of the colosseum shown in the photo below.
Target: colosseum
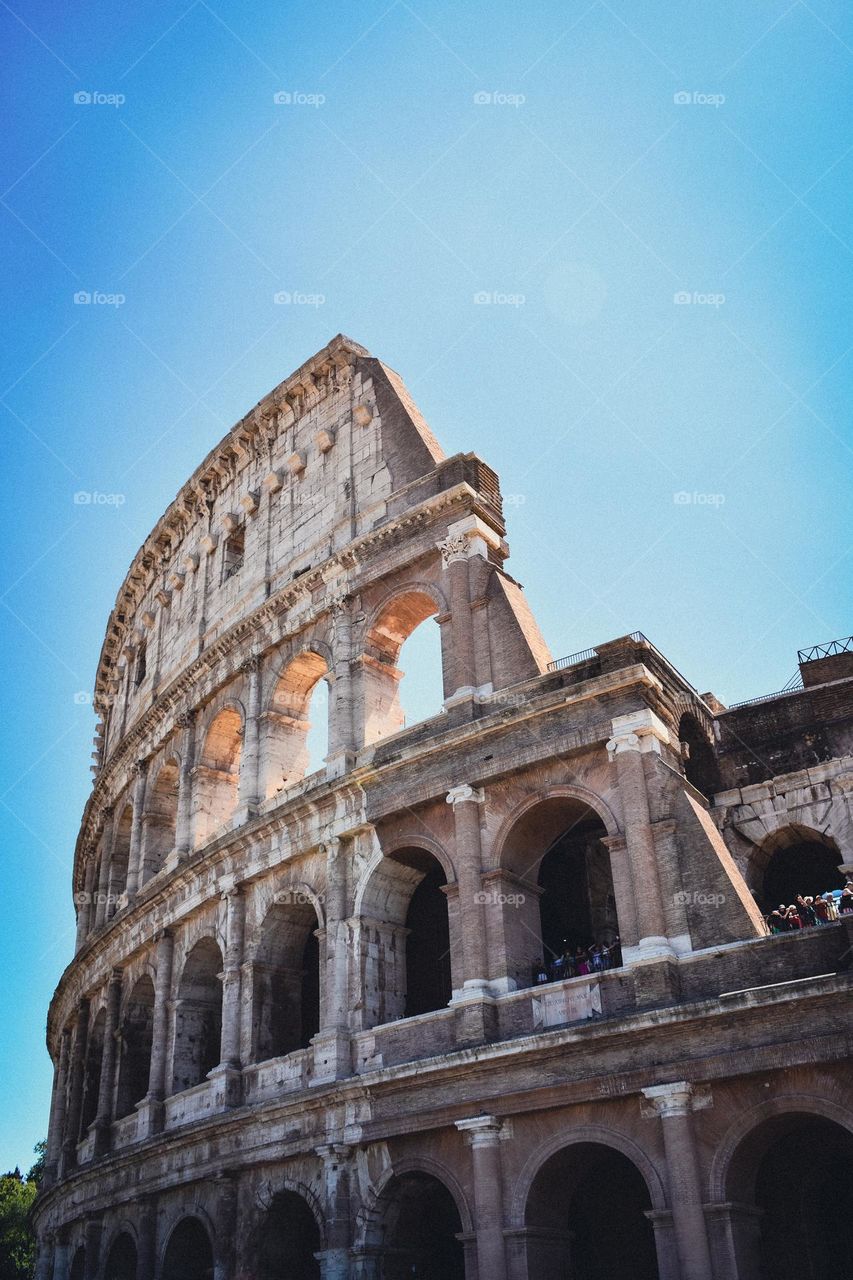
{"x": 487, "y": 996}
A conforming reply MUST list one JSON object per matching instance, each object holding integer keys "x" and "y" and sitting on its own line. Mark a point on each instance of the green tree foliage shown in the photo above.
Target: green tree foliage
{"x": 17, "y": 1244}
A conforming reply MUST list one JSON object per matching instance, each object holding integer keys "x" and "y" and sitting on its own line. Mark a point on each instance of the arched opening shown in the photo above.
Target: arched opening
{"x": 295, "y": 727}
{"x": 135, "y": 1043}
{"x": 120, "y": 859}
{"x": 798, "y": 861}
{"x": 198, "y": 1017}
{"x": 160, "y": 819}
{"x": 567, "y": 926}
{"x": 92, "y": 1077}
{"x": 217, "y": 776}
{"x": 289, "y": 1240}
{"x": 121, "y": 1260}
{"x": 405, "y": 938}
{"x": 586, "y": 1218}
{"x": 78, "y": 1265}
{"x": 189, "y": 1253}
{"x": 286, "y": 978}
{"x": 697, "y": 754}
{"x": 387, "y": 707}
{"x": 797, "y": 1171}
{"x": 418, "y": 1231}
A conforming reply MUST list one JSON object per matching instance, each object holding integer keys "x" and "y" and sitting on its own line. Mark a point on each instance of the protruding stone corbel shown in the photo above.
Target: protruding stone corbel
{"x": 209, "y": 543}
{"x": 324, "y": 440}
{"x": 296, "y": 463}
{"x": 272, "y": 482}
{"x": 249, "y": 502}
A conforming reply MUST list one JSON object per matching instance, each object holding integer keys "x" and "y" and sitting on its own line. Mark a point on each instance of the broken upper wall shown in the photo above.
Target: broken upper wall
{"x": 334, "y": 452}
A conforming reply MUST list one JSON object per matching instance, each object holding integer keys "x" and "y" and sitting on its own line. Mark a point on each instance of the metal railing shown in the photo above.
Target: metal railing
{"x": 794, "y": 685}
{"x": 585, "y": 655}
{"x": 828, "y": 650}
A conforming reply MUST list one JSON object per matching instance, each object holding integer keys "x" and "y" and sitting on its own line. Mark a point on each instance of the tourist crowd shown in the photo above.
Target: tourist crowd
{"x": 580, "y": 961}
{"x": 823, "y": 908}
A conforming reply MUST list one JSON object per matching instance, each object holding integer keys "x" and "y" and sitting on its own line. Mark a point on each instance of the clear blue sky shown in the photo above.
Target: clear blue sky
{"x": 387, "y": 189}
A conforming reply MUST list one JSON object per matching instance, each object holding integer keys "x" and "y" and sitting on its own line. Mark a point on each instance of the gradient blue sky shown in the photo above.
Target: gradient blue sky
{"x": 398, "y": 199}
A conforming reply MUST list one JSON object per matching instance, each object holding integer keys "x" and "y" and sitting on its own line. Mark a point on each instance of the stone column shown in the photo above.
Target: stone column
{"x": 248, "y": 792}
{"x": 674, "y": 1104}
{"x": 134, "y": 860}
{"x": 151, "y": 1109}
{"x": 94, "y": 1229}
{"x": 484, "y": 1136}
{"x": 44, "y": 1258}
{"x": 61, "y": 1257}
{"x": 57, "y": 1111}
{"x": 183, "y": 838}
{"x": 231, "y": 977}
{"x": 332, "y": 1052}
{"x": 633, "y": 736}
{"x": 146, "y": 1243}
{"x": 102, "y": 890}
{"x": 466, "y": 813}
{"x": 75, "y": 1099}
{"x": 85, "y": 901}
{"x": 104, "y": 1116}
{"x": 454, "y": 555}
{"x": 334, "y": 1260}
{"x": 342, "y": 744}
{"x": 226, "y": 1226}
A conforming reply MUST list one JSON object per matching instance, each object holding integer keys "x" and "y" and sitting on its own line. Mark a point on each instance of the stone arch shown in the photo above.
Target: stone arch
{"x": 393, "y": 620}
{"x": 198, "y": 1016}
{"x": 597, "y": 1134}
{"x": 287, "y": 1237}
{"x": 788, "y": 1178}
{"x": 121, "y": 1254}
{"x": 404, "y": 933}
{"x": 588, "y": 1194}
{"x": 135, "y": 1045}
{"x": 160, "y": 817}
{"x": 553, "y": 853}
{"x": 748, "y": 1121}
{"x": 794, "y": 859}
{"x": 286, "y": 724}
{"x": 217, "y": 774}
{"x": 285, "y": 969}
{"x": 389, "y": 1225}
{"x": 188, "y": 1249}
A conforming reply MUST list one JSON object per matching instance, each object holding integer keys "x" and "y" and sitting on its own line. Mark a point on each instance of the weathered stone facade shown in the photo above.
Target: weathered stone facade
{"x": 300, "y": 1035}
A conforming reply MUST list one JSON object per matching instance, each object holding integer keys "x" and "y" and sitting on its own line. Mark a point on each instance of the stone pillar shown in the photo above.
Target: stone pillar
{"x": 484, "y": 1136}
{"x": 454, "y": 555}
{"x": 231, "y": 977}
{"x": 85, "y": 901}
{"x": 466, "y": 813}
{"x": 44, "y": 1258}
{"x": 102, "y": 889}
{"x": 94, "y": 1229}
{"x": 61, "y": 1257}
{"x": 674, "y": 898}
{"x": 57, "y": 1111}
{"x": 248, "y": 791}
{"x": 183, "y": 837}
{"x": 332, "y": 1052}
{"x": 334, "y": 1260}
{"x": 104, "y": 1116}
{"x": 623, "y": 890}
{"x": 226, "y": 1226}
{"x": 134, "y": 860}
{"x": 151, "y": 1108}
{"x": 75, "y": 1099}
{"x": 146, "y": 1243}
{"x": 674, "y": 1104}
{"x": 342, "y": 744}
{"x": 633, "y": 736}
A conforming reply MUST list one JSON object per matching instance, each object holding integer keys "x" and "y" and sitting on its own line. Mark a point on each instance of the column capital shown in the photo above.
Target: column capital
{"x": 464, "y": 793}
{"x": 454, "y": 547}
{"x": 251, "y": 664}
{"x": 481, "y": 1131}
{"x": 335, "y": 1153}
{"x": 640, "y": 731}
{"x": 679, "y": 1098}
{"x": 140, "y": 768}
{"x": 186, "y": 719}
